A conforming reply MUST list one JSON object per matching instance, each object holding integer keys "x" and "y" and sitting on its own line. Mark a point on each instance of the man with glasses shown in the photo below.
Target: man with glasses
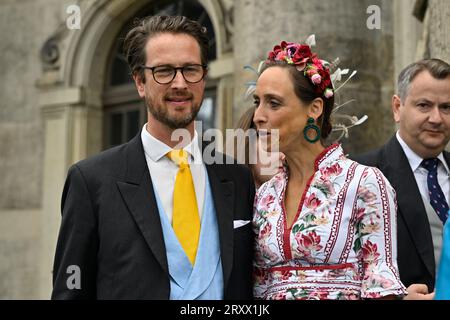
{"x": 150, "y": 219}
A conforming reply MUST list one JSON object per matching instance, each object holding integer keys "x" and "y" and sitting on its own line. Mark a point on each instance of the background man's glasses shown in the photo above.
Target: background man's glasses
{"x": 192, "y": 73}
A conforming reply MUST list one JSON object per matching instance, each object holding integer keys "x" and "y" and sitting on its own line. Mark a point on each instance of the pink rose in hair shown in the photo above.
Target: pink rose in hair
{"x": 328, "y": 93}
{"x": 316, "y": 79}
{"x": 281, "y": 56}
{"x": 311, "y": 71}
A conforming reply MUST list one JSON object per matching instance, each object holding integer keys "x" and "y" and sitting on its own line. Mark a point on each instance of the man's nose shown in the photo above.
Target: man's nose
{"x": 435, "y": 115}
{"x": 179, "y": 82}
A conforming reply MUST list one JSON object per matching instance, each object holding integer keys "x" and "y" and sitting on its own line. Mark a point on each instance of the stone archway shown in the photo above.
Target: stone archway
{"x": 70, "y": 98}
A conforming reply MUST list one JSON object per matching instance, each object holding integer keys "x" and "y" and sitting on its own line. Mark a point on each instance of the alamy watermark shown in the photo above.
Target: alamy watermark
{"x": 73, "y": 21}
{"x": 249, "y": 147}
{"x": 74, "y": 280}
{"x": 374, "y": 19}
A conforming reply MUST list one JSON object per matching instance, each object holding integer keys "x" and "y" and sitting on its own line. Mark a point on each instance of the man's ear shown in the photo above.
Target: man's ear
{"x": 140, "y": 84}
{"x": 396, "y": 105}
{"x": 316, "y": 108}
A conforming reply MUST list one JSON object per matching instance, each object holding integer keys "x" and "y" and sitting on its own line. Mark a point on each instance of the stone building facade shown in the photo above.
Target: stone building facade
{"x": 65, "y": 92}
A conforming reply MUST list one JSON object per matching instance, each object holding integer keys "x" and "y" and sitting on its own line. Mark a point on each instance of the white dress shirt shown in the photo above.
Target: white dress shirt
{"x": 163, "y": 171}
{"x": 421, "y": 174}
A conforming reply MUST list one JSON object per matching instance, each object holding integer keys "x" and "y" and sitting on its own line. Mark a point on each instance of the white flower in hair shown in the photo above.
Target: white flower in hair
{"x": 311, "y": 41}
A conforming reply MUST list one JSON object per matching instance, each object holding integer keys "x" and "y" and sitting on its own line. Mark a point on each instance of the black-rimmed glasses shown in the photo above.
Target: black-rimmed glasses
{"x": 192, "y": 73}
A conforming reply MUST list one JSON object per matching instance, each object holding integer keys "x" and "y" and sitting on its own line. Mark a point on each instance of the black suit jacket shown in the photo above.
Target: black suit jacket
{"x": 111, "y": 229}
{"x": 415, "y": 245}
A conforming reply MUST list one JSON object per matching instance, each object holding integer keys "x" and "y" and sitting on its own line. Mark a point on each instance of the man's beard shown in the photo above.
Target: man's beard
{"x": 162, "y": 115}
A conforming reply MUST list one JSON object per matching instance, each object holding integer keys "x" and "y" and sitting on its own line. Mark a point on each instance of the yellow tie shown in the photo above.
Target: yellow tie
{"x": 185, "y": 220}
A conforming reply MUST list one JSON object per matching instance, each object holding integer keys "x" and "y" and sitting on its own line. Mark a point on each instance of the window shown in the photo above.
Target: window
{"x": 123, "y": 123}
{"x": 207, "y": 111}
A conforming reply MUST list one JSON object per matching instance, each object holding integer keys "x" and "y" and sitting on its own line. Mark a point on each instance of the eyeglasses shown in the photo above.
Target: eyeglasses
{"x": 192, "y": 73}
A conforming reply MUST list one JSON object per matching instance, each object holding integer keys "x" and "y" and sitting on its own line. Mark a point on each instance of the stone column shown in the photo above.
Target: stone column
{"x": 407, "y": 33}
{"x": 438, "y": 26}
{"x": 69, "y": 128}
{"x": 341, "y": 31}
{"x": 221, "y": 70}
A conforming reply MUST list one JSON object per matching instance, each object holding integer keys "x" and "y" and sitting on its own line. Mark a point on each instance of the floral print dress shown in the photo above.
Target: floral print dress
{"x": 342, "y": 244}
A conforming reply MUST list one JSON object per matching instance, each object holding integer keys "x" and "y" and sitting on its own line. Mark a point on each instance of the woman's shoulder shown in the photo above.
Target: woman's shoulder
{"x": 370, "y": 175}
{"x": 363, "y": 169}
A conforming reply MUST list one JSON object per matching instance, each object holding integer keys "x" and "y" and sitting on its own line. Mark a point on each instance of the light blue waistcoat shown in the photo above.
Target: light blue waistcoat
{"x": 204, "y": 280}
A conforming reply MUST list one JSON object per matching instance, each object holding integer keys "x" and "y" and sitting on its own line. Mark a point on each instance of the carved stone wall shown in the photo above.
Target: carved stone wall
{"x": 24, "y": 27}
{"x": 438, "y": 29}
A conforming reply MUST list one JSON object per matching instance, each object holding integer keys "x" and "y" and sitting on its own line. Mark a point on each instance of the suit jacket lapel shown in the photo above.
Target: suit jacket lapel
{"x": 410, "y": 203}
{"x": 447, "y": 157}
{"x": 223, "y": 196}
{"x": 137, "y": 192}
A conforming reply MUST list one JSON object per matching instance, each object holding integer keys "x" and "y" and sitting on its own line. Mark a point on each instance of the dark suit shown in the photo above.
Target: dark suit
{"x": 111, "y": 228}
{"x": 415, "y": 245}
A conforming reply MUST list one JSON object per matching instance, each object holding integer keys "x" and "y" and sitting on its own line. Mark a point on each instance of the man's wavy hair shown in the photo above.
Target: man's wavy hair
{"x": 146, "y": 28}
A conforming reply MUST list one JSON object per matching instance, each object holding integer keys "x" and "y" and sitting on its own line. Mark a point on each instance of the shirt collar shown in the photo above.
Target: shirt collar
{"x": 414, "y": 159}
{"x": 444, "y": 163}
{"x": 156, "y": 150}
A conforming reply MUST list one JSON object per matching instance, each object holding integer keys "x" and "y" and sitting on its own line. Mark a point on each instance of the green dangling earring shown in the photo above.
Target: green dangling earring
{"x": 311, "y": 126}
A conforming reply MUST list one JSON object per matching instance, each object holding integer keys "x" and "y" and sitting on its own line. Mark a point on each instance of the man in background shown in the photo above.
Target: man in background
{"x": 417, "y": 166}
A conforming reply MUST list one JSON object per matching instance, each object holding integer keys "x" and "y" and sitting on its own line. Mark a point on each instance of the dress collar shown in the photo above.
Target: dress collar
{"x": 328, "y": 156}
{"x": 325, "y": 159}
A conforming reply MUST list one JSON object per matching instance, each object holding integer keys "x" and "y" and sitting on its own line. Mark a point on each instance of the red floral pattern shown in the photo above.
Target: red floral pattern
{"x": 370, "y": 252}
{"x": 312, "y": 202}
{"x": 308, "y": 244}
{"x": 342, "y": 243}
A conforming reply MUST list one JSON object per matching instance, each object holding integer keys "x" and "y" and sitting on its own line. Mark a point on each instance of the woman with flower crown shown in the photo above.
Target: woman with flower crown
{"x": 325, "y": 226}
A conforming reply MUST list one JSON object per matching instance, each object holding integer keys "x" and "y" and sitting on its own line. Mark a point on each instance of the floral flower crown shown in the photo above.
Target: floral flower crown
{"x": 319, "y": 73}
{"x": 301, "y": 56}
